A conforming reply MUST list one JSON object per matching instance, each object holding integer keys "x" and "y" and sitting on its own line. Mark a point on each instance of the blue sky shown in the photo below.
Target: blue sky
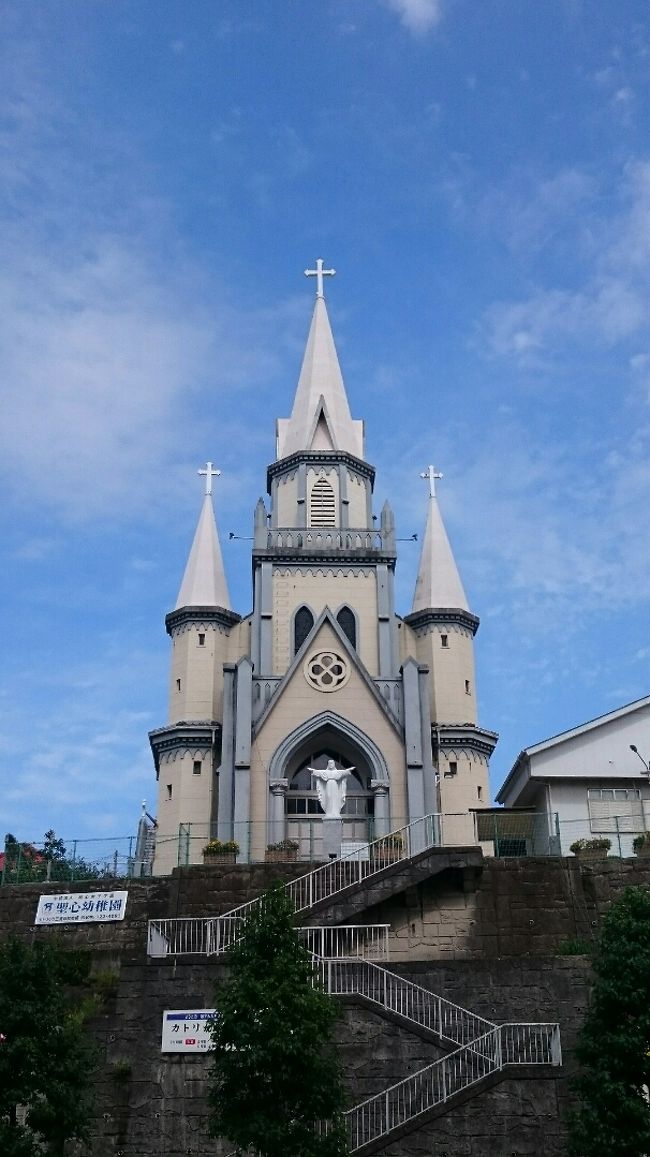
{"x": 479, "y": 176}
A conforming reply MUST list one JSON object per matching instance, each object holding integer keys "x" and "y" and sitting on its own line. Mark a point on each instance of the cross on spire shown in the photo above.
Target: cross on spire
{"x": 431, "y": 474}
{"x": 209, "y": 474}
{"x": 319, "y": 273}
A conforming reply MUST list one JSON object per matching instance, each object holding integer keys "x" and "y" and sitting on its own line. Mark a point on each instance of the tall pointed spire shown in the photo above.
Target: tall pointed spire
{"x": 204, "y": 582}
{"x": 438, "y": 583}
{"x": 320, "y": 419}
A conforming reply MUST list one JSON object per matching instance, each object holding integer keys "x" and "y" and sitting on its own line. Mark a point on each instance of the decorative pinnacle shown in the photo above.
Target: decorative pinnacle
{"x": 209, "y": 474}
{"x": 319, "y": 273}
{"x": 431, "y": 474}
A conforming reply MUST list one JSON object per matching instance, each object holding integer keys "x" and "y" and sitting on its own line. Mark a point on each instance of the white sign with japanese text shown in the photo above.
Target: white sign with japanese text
{"x": 81, "y": 907}
{"x": 187, "y": 1032}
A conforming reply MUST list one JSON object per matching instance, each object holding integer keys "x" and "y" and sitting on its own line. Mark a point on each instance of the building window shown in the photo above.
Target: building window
{"x": 348, "y": 624}
{"x": 178, "y": 684}
{"x": 196, "y": 767}
{"x": 479, "y": 793}
{"x": 615, "y": 809}
{"x": 452, "y": 769}
{"x": 444, "y": 640}
{"x": 326, "y": 671}
{"x": 467, "y": 687}
{"x": 169, "y": 791}
{"x": 322, "y": 508}
{"x": 302, "y": 625}
{"x": 201, "y": 639}
{"x": 302, "y": 799}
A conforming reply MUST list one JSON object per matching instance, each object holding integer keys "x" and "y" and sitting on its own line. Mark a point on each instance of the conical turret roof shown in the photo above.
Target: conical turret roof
{"x": 438, "y": 583}
{"x": 204, "y": 582}
{"x": 320, "y": 419}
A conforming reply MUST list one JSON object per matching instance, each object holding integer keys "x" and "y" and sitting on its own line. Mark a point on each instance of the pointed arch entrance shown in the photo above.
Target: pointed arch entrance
{"x": 294, "y": 811}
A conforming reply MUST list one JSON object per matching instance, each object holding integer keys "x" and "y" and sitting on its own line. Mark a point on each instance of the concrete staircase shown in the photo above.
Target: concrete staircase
{"x": 479, "y": 1052}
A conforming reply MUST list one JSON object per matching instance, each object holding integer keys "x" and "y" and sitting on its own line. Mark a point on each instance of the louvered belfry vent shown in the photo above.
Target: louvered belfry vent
{"x": 323, "y": 504}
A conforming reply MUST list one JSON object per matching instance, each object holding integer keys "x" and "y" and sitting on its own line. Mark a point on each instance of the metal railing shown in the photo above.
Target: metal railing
{"x": 365, "y": 861}
{"x": 449, "y": 1021}
{"x": 518, "y": 832}
{"x": 530, "y": 1044}
{"x": 213, "y": 935}
{"x": 491, "y": 1049}
{"x": 437, "y": 1083}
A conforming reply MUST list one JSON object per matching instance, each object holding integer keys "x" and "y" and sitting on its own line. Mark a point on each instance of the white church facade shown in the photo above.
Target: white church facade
{"x": 322, "y": 668}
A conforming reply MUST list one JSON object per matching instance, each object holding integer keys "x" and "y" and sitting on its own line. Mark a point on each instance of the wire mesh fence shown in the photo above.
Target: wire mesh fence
{"x": 71, "y": 861}
{"x": 524, "y": 833}
{"x": 500, "y": 832}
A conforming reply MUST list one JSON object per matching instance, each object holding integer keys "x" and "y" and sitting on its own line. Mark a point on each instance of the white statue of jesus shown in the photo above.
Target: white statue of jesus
{"x": 331, "y": 788}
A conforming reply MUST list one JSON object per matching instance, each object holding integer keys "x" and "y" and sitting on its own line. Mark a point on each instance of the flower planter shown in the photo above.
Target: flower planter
{"x": 281, "y": 856}
{"x": 214, "y": 858}
{"x": 591, "y": 854}
{"x": 644, "y": 851}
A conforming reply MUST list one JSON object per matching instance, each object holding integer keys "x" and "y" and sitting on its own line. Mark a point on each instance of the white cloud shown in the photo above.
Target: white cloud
{"x": 419, "y": 16}
{"x": 609, "y": 301}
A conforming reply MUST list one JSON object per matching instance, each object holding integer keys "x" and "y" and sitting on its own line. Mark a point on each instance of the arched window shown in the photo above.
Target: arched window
{"x": 302, "y": 799}
{"x": 302, "y": 625}
{"x": 348, "y": 624}
{"x": 322, "y": 508}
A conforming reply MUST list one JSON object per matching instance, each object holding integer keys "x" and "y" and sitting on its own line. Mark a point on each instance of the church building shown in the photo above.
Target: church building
{"x": 322, "y": 668}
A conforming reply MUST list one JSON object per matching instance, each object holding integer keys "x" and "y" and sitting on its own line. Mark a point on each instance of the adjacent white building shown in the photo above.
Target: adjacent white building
{"x": 589, "y": 781}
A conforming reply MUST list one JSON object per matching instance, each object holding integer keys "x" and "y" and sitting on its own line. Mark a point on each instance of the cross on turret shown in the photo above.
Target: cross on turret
{"x": 431, "y": 474}
{"x": 209, "y": 474}
{"x": 319, "y": 273}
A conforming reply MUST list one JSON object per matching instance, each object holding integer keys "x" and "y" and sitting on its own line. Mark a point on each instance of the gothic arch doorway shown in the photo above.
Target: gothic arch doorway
{"x": 304, "y": 813}
{"x": 298, "y": 816}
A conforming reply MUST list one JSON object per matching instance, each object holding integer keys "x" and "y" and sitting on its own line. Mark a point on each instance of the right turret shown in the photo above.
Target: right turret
{"x": 444, "y": 629}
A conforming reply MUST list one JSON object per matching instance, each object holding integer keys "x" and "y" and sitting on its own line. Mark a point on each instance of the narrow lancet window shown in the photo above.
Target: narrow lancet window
{"x": 302, "y": 625}
{"x": 348, "y": 625}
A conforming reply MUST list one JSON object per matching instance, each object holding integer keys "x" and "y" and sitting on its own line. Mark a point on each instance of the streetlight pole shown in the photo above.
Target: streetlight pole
{"x": 636, "y": 751}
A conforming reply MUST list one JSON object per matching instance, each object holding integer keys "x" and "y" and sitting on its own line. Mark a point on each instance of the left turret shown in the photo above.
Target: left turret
{"x": 187, "y": 752}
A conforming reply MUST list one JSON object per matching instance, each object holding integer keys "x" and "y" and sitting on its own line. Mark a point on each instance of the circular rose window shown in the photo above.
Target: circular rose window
{"x": 326, "y": 671}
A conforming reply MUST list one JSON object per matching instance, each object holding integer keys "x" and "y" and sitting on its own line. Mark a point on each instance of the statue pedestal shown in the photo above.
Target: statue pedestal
{"x": 332, "y": 835}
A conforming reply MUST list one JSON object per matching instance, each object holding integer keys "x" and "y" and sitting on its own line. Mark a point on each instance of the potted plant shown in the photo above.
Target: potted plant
{"x": 592, "y": 849}
{"x": 284, "y": 852}
{"x": 387, "y": 849}
{"x": 641, "y": 844}
{"x": 220, "y": 852}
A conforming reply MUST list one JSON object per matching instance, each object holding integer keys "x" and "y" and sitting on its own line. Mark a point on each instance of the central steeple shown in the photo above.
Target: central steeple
{"x": 320, "y": 419}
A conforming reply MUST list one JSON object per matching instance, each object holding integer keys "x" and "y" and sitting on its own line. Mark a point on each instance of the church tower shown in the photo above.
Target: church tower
{"x": 323, "y": 668}
{"x": 444, "y": 629}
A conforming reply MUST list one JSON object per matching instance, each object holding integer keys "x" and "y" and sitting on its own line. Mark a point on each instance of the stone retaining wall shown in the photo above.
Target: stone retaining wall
{"x": 486, "y": 939}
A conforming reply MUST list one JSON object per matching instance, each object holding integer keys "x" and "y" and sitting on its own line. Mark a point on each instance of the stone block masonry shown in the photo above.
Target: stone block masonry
{"x": 486, "y": 937}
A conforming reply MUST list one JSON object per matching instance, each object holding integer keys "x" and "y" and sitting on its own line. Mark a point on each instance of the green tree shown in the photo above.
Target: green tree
{"x": 275, "y": 1073}
{"x": 46, "y": 1059}
{"x": 613, "y": 1114}
{"x": 27, "y": 864}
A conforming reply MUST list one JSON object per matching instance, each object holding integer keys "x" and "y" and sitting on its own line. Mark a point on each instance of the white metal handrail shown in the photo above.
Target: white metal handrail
{"x": 437, "y": 1083}
{"x": 368, "y": 860}
{"x": 212, "y": 935}
{"x": 530, "y": 1044}
{"x": 395, "y": 994}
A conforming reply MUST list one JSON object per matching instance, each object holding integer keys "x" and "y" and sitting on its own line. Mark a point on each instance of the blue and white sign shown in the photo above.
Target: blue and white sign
{"x": 187, "y": 1032}
{"x": 81, "y": 907}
